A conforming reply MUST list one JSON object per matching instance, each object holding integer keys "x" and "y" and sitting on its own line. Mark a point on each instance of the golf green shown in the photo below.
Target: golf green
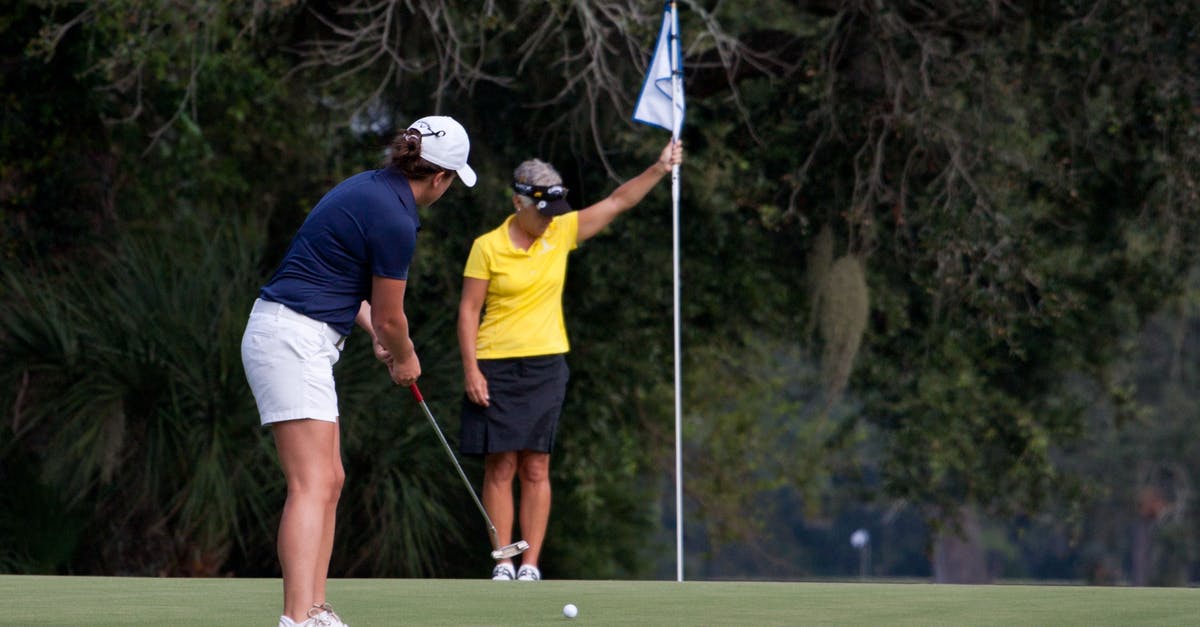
{"x": 37, "y": 600}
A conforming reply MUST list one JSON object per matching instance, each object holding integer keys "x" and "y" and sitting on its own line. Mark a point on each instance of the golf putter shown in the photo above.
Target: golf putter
{"x": 498, "y": 552}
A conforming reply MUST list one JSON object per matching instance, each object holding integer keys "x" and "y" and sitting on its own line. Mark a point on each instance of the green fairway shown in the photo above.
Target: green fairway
{"x": 372, "y": 602}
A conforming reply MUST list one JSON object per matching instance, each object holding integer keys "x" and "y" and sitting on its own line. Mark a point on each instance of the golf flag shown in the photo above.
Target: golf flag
{"x": 661, "y": 105}
{"x": 662, "y": 90}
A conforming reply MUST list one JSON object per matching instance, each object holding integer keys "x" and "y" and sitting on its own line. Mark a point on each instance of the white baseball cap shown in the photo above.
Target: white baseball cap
{"x": 444, "y": 143}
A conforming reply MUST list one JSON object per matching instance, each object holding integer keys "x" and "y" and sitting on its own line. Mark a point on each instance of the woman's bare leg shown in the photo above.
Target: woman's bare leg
{"x": 535, "y": 502}
{"x": 322, "y": 573}
{"x": 312, "y": 464}
{"x": 499, "y": 469}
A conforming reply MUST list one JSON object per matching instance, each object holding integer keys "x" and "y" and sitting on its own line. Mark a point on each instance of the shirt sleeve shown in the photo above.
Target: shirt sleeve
{"x": 569, "y": 233}
{"x": 477, "y": 263}
{"x": 391, "y": 245}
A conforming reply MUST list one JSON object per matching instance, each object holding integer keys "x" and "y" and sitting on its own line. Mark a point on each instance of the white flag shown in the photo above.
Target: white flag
{"x": 659, "y": 91}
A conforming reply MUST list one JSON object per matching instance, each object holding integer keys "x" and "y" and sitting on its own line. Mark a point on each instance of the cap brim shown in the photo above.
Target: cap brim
{"x": 553, "y": 207}
{"x": 467, "y": 175}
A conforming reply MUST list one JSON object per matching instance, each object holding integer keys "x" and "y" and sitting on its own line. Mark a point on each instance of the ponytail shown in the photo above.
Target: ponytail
{"x": 404, "y": 154}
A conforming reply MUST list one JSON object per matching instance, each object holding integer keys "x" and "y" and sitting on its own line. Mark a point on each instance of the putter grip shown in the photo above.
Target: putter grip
{"x": 417, "y": 393}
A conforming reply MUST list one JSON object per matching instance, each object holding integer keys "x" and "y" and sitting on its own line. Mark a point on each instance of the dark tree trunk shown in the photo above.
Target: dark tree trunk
{"x": 958, "y": 554}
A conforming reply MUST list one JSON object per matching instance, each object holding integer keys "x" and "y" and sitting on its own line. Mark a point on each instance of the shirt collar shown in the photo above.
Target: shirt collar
{"x": 399, "y": 184}
{"x": 546, "y": 235}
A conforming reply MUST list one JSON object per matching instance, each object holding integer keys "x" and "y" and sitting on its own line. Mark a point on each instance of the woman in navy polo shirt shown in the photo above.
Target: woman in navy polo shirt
{"x": 347, "y": 265}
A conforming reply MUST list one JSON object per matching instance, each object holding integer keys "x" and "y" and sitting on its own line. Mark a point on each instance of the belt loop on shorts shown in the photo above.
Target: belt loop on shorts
{"x": 282, "y": 311}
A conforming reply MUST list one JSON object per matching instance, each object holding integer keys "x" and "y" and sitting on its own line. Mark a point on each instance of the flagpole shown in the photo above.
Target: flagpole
{"x": 675, "y": 89}
{"x": 651, "y": 109}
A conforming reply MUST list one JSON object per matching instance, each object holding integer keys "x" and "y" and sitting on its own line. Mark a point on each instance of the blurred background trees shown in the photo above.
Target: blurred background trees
{"x": 938, "y": 265}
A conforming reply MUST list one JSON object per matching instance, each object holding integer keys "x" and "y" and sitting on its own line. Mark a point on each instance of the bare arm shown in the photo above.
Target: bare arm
{"x": 473, "y": 294}
{"x": 593, "y": 219}
{"x": 391, "y": 329}
{"x": 363, "y": 319}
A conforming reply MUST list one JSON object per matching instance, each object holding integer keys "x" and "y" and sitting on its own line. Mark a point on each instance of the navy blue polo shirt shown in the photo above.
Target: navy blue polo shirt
{"x": 365, "y": 226}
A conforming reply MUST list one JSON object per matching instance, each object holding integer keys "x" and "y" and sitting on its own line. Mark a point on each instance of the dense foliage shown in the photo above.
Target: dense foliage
{"x": 919, "y": 241}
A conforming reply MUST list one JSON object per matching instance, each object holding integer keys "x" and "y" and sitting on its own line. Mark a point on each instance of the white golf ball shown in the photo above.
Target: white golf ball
{"x": 570, "y": 611}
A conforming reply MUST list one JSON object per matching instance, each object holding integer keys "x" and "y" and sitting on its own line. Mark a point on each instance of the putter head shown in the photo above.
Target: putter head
{"x": 511, "y": 550}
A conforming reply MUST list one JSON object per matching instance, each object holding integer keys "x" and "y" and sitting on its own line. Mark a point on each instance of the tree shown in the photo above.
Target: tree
{"x": 941, "y": 214}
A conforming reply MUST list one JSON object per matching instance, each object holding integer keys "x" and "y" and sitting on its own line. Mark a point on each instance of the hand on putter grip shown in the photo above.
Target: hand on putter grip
{"x": 405, "y": 372}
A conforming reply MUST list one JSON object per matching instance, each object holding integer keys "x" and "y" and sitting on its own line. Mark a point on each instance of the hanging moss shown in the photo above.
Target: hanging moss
{"x": 816, "y": 272}
{"x": 844, "y": 305}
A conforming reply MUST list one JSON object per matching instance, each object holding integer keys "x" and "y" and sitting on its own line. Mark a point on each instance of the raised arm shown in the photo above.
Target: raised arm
{"x": 594, "y": 218}
{"x": 469, "y": 307}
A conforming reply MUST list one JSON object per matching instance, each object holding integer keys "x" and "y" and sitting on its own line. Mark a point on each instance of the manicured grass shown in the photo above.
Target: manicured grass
{"x": 30, "y": 600}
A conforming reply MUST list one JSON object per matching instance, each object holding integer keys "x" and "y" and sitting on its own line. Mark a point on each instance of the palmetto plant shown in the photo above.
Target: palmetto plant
{"x": 126, "y": 396}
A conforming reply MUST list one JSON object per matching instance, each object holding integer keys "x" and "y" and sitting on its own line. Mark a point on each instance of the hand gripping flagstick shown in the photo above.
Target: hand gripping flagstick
{"x": 498, "y": 552}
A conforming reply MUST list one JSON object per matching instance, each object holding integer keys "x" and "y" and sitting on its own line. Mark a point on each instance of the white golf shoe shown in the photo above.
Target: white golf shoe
{"x": 529, "y": 573}
{"x": 318, "y": 616}
{"x": 503, "y": 572}
{"x": 323, "y": 615}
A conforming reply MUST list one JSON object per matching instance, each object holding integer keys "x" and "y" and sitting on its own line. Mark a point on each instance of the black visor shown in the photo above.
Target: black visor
{"x": 550, "y": 200}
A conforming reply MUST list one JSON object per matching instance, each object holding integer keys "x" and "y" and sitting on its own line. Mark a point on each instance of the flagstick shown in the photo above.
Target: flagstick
{"x": 678, "y": 380}
{"x": 675, "y": 89}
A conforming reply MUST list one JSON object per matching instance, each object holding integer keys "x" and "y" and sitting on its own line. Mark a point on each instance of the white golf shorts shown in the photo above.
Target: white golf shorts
{"x": 289, "y": 360}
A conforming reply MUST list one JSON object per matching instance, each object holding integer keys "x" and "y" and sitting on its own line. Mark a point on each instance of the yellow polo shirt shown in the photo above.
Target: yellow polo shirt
{"x": 523, "y": 314}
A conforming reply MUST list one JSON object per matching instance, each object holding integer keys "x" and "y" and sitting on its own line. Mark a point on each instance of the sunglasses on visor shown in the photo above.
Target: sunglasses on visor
{"x": 540, "y": 192}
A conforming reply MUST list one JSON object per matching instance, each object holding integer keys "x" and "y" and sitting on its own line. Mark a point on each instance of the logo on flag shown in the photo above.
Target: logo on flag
{"x": 661, "y": 101}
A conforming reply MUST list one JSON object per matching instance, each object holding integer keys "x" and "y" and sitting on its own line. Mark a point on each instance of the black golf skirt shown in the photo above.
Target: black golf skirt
{"x": 525, "y": 396}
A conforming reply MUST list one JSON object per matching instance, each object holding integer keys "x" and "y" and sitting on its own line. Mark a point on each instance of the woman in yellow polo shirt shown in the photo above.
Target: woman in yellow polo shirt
{"x": 514, "y": 361}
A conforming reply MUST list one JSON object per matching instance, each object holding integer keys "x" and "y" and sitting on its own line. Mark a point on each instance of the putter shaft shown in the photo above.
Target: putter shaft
{"x": 502, "y": 552}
